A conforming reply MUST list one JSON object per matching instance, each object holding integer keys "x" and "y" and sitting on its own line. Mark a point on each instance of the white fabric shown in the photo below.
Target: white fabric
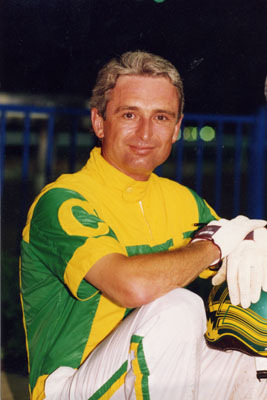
{"x": 180, "y": 364}
{"x": 246, "y": 270}
{"x": 227, "y": 234}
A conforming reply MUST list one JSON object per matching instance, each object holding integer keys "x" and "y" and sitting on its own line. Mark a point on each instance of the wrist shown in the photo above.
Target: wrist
{"x": 215, "y": 252}
{"x": 210, "y": 249}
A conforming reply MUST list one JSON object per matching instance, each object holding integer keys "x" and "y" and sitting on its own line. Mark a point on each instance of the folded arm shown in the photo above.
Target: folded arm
{"x": 137, "y": 280}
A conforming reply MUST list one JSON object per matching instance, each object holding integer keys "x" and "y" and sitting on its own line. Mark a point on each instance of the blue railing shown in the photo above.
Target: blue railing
{"x": 50, "y": 113}
{"x": 248, "y": 134}
{"x": 230, "y": 165}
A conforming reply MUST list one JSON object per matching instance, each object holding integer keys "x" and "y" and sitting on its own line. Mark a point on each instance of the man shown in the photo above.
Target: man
{"x": 106, "y": 252}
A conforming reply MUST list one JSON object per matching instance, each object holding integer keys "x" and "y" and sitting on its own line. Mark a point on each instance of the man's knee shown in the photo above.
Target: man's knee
{"x": 187, "y": 310}
{"x": 181, "y": 312}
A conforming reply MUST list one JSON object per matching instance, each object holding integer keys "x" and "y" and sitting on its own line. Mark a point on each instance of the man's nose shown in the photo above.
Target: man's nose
{"x": 144, "y": 130}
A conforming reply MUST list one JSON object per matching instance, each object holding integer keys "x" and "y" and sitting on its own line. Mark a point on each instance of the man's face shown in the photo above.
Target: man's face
{"x": 140, "y": 126}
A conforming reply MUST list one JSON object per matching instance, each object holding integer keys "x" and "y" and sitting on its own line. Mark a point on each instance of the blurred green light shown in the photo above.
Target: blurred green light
{"x": 207, "y": 133}
{"x": 159, "y": 1}
{"x": 190, "y": 133}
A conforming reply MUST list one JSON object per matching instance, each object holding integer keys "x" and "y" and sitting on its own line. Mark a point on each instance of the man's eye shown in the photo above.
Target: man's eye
{"x": 161, "y": 117}
{"x": 128, "y": 115}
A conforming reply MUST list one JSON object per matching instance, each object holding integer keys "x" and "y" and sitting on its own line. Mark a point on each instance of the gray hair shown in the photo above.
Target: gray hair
{"x": 133, "y": 63}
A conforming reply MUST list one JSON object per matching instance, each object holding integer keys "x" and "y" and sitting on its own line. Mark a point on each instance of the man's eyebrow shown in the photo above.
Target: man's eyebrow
{"x": 134, "y": 108}
{"x": 123, "y": 108}
{"x": 168, "y": 112}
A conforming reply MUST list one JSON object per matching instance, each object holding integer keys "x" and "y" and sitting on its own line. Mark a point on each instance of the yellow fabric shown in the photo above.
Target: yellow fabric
{"x": 38, "y": 391}
{"x": 133, "y": 217}
{"x": 108, "y": 314}
{"x": 84, "y": 258}
{"x": 137, "y": 372}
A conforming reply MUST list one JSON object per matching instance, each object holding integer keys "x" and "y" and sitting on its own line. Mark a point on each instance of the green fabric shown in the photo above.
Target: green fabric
{"x": 104, "y": 388}
{"x": 51, "y": 248}
{"x": 143, "y": 366}
{"x": 146, "y": 249}
{"x": 205, "y": 214}
{"x": 58, "y": 324}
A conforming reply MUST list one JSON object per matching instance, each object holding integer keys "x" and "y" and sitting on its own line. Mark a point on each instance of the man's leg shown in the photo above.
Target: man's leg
{"x": 158, "y": 352}
{"x": 152, "y": 354}
{"x": 229, "y": 376}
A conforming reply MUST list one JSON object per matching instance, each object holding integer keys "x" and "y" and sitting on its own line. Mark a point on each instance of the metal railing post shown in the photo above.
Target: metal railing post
{"x": 73, "y": 143}
{"x": 237, "y": 169}
{"x": 219, "y": 163}
{"x": 26, "y": 148}
{"x": 199, "y": 160}
{"x": 49, "y": 148}
{"x": 2, "y": 150}
{"x": 179, "y": 156}
{"x": 257, "y": 166}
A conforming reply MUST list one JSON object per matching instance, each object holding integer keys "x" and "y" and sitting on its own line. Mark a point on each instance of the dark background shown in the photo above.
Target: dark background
{"x": 56, "y": 47}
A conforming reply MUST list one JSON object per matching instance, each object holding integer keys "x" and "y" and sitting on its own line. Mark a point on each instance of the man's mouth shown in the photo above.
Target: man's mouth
{"x": 142, "y": 150}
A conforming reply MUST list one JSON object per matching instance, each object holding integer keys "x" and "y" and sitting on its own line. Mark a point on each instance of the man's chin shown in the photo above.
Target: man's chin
{"x": 140, "y": 171}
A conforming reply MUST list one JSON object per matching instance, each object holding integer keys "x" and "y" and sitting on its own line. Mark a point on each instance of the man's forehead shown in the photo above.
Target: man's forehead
{"x": 132, "y": 78}
{"x": 136, "y": 86}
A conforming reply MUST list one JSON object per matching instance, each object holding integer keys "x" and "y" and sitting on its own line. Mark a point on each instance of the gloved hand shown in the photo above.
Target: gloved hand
{"x": 227, "y": 234}
{"x": 246, "y": 269}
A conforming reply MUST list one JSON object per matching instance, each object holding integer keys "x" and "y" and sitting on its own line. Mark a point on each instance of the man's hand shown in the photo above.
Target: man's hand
{"x": 227, "y": 234}
{"x": 246, "y": 269}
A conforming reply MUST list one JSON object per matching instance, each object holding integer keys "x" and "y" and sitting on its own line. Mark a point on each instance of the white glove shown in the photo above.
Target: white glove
{"x": 246, "y": 270}
{"x": 227, "y": 234}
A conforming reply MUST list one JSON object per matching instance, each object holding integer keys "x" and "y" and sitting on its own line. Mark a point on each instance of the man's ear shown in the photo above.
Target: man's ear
{"x": 97, "y": 123}
{"x": 177, "y": 130}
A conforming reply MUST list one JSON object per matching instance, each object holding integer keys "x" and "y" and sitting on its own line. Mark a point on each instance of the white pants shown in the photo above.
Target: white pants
{"x": 159, "y": 353}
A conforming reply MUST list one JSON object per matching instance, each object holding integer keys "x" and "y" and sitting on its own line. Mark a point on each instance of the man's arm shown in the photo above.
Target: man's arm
{"x": 137, "y": 280}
